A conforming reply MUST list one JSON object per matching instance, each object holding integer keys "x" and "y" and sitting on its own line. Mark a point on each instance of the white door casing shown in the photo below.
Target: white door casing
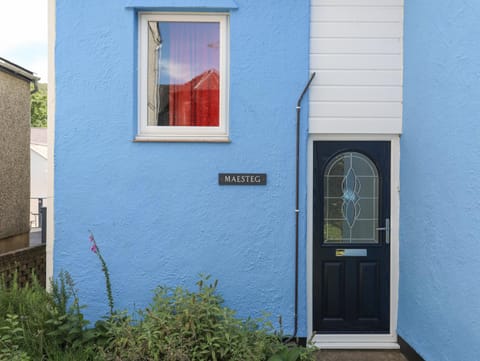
{"x": 358, "y": 341}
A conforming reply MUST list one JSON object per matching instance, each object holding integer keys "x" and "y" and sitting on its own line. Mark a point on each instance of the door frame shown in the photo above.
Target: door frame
{"x": 358, "y": 341}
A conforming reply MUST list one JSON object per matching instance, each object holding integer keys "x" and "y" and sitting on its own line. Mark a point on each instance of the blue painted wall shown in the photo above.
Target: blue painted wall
{"x": 439, "y": 308}
{"x": 156, "y": 209}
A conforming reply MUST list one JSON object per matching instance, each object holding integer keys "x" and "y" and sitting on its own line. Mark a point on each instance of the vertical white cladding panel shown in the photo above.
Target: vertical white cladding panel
{"x": 356, "y": 48}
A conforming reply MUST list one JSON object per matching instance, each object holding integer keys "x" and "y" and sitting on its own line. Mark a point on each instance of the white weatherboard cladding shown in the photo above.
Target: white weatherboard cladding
{"x": 356, "y": 49}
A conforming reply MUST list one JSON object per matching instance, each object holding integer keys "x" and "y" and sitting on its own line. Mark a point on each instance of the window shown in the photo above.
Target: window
{"x": 183, "y": 81}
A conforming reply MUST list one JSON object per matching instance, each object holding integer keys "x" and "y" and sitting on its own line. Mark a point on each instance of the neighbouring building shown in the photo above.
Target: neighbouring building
{"x": 38, "y": 172}
{"x": 175, "y": 143}
{"x": 15, "y": 91}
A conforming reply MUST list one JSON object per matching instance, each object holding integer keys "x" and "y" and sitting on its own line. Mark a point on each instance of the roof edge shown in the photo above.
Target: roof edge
{"x": 17, "y": 70}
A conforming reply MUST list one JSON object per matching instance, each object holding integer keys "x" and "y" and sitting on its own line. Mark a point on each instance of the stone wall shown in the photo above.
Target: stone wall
{"x": 23, "y": 264}
{"x": 14, "y": 161}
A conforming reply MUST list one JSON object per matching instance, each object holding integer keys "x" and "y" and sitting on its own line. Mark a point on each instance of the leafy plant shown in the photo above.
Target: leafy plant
{"x": 66, "y": 326}
{"x": 11, "y": 337}
{"x": 38, "y": 107}
{"x": 30, "y": 306}
{"x": 196, "y": 326}
{"x": 179, "y": 325}
{"x": 287, "y": 354}
{"x": 118, "y": 338}
{"x": 51, "y": 324}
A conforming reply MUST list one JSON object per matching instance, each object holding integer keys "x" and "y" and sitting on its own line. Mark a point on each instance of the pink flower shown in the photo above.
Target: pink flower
{"x": 93, "y": 247}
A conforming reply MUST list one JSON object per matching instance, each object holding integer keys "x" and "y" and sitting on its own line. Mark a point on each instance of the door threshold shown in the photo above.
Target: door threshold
{"x": 356, "y": 345}
{"x": 356, "y": 342}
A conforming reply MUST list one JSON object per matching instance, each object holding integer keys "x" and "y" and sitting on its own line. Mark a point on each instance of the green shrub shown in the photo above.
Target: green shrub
{"x": 50, "y": 323}
{"x": 66, "y": 326}
{"x": 194, "y": 326}
{"x": 292, "y": 354}
{"x": 179, "y": 325}
{"x": 30, "y": 306}
{"x": 11, "y": 337}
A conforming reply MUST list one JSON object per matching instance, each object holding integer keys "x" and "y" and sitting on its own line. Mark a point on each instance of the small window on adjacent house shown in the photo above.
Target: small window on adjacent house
{"x": 183, "y": 77}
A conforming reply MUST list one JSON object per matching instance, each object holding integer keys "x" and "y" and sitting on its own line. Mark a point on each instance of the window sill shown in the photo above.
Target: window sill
{"x": 181, "y": 5}
{"x": 181, "y": 139}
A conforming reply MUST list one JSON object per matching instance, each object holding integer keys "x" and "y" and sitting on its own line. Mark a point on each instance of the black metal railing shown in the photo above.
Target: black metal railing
{"x": 40, "y": 219}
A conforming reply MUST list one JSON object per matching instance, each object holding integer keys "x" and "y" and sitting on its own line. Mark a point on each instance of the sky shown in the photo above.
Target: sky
{"x": 24, "y": 34}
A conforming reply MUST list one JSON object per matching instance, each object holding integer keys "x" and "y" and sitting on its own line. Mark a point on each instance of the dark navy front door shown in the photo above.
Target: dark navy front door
{"x": 351, "y": 237}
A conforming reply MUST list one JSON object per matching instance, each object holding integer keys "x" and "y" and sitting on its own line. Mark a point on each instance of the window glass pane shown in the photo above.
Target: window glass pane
{"x": 351, "y": 199}
{"x": 184, "y": 73}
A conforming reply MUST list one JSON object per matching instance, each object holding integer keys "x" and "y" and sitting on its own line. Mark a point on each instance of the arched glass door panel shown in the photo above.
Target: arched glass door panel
{"x": 351, "y": 199}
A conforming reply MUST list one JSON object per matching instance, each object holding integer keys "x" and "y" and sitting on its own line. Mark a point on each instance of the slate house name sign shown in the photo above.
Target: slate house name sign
{"x": 242, "y": 179}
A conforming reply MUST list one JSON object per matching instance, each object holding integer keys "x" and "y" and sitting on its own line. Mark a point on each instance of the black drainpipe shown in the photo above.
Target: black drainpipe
{"x": 297, "y": 211}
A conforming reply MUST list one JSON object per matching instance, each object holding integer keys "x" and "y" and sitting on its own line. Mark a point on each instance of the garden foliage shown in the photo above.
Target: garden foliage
{"x": 178, "y": 325}
{"x": 38, "y": 108}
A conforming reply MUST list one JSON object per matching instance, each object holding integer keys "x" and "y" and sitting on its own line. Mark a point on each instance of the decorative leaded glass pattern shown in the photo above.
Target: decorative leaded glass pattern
{"x": 351, "y": 199}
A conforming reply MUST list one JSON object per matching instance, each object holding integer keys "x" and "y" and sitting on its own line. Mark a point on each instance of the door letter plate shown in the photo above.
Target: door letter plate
{"x": 351, "y": 252}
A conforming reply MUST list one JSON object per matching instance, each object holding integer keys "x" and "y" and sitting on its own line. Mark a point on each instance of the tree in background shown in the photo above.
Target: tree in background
{"x": 39, "y": 107}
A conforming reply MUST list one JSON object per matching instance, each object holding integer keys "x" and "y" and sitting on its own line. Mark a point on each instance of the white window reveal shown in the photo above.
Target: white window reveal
{"x": 183, "y": 77}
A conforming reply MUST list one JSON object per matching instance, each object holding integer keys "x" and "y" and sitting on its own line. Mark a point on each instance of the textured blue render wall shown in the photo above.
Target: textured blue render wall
{"x": 439, "y": 308}
{"x": 156, "y": 208}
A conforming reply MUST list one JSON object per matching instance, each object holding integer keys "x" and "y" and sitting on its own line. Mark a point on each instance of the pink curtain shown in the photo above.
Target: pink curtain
{"x": 194, "y": 57}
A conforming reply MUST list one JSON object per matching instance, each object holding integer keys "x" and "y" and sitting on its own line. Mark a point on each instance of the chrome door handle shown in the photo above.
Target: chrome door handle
{"x": 386, "y": 229}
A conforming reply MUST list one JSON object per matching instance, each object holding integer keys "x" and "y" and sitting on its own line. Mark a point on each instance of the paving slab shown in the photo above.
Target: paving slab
{"x": 360, "y": 355}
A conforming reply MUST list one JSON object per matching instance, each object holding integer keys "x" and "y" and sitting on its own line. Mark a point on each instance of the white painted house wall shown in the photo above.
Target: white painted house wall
{"x": 356, "y": 49}
{"x": 38, "y": 171}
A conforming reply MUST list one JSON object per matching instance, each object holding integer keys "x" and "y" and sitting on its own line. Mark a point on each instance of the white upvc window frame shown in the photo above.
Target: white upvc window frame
{"x": 148, "y": 133}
